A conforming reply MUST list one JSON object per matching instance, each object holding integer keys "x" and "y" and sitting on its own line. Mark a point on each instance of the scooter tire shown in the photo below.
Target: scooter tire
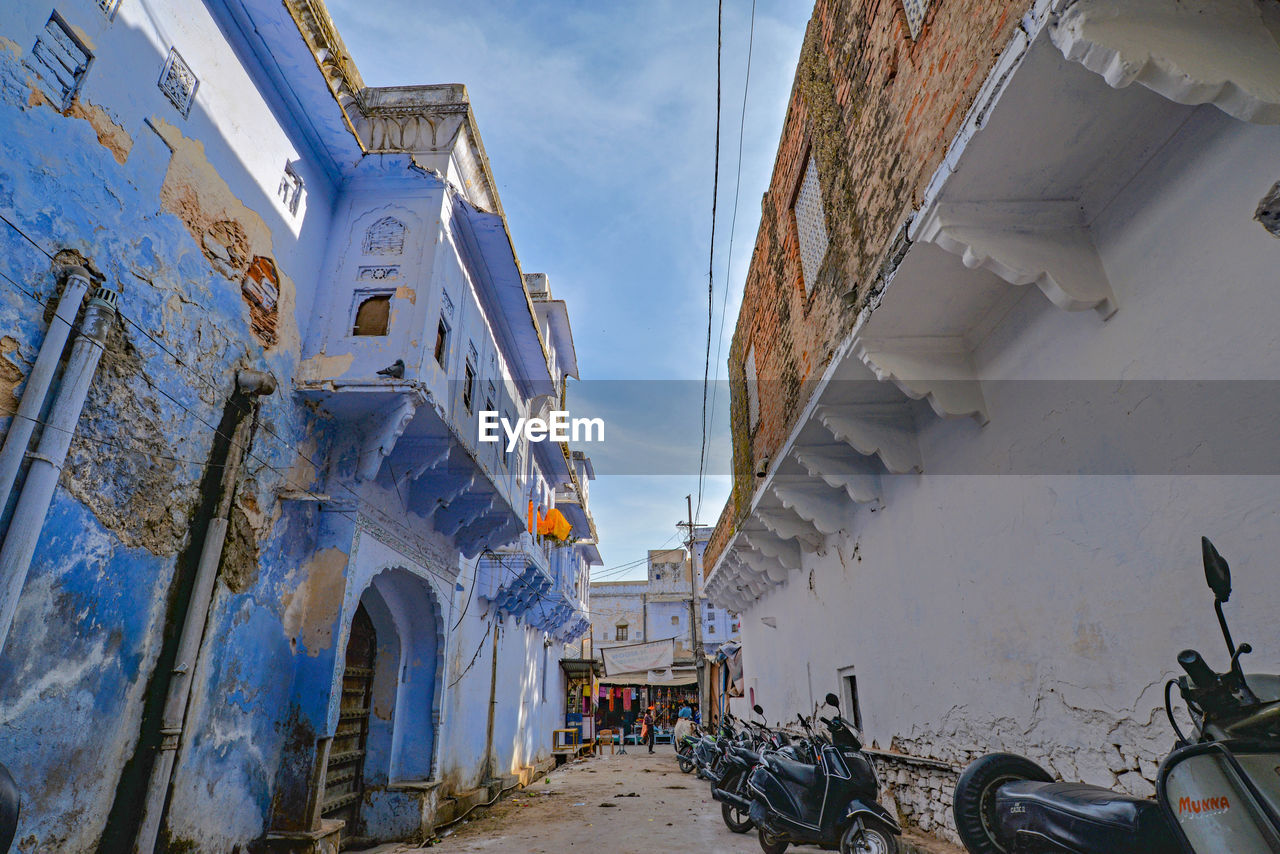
{"x": 974, "y": 802}
{"x": 770, "y": 844}
{"x": 685, "y": 765}
{"x": 876, "y": 839}
{"x": 733, "y": 818}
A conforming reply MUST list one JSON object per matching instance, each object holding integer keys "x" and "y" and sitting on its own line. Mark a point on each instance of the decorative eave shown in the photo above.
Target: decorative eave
{"x": 1220, "y": 52}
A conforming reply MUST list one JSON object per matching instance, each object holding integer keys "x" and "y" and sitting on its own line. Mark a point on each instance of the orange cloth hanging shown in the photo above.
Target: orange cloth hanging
{"x": 533, "y": 520}
{"x": 555, "y": 525}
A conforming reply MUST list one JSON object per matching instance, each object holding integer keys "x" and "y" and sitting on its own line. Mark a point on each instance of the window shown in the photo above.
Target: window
{"x": 109, "y": 7}
{"x": 468, "y": 385}
{"x": 915, "y": 10}
{"x": 178, "y": 83}
{"x": 620, "y": 632}
{"x": 60, "y": 61}
{"x": 675, "y": 620}
{"x": 442, "y": 343}
{"x": 373, "y": 316}
{"x": 290, "y": 193}
{"x": 385, "y": 237}
{"x": 711, "y": 630}
{"x": 711, "y": 613}
{"x": 811, "y": 223}
{"x": 852, "y": 710}
{"x": 753, "y": 391}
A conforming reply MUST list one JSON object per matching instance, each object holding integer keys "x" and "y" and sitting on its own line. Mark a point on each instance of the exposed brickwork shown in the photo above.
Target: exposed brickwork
{"x": 877, "y": 110}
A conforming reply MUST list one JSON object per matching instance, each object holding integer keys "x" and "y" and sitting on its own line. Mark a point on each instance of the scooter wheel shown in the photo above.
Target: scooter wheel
{"x": 771, "y": 844}
{"x": 685, "y": 765}
{"x": 975, "y": 798}
{"x": 868, "y": 838}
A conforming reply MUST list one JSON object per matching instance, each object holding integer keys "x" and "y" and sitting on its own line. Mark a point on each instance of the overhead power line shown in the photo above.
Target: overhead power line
{"x": 711, "y": 261}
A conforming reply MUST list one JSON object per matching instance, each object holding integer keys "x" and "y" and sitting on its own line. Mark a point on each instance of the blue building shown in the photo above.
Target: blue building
{"x": 282, "y": 593}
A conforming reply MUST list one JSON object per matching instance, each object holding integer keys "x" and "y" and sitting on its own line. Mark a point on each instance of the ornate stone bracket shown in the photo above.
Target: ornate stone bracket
{"x": 827, "y": 510}
{"x": 1026, "y": 243}
{"x": 383, "y": 433}
{"x": 1220, "y": 52}
{"x": 936, "y": 368}
{"x": 855, "y": 475}
{"x": 883, "y": 430}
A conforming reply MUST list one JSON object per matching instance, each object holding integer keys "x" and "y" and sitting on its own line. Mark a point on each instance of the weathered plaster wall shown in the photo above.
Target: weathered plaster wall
{"x": 172, "y": 212}
{"x": 1043, "y": 613}
{"x": 876, "y": 109}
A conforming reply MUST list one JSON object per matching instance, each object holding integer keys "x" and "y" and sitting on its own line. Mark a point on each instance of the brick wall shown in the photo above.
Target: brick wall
{"x": 876, "y": 110}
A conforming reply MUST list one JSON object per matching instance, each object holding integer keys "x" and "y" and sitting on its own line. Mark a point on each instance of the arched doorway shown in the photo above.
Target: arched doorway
{"x": 344, "y": 773}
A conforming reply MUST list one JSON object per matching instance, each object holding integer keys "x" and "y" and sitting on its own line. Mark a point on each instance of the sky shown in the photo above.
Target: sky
{"x": 599, "y": 119}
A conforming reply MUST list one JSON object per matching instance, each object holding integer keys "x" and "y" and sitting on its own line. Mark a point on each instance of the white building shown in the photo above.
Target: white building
{"x": 982, "y": 529}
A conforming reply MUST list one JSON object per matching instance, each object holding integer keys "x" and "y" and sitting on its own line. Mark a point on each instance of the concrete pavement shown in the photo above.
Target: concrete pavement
{"x": 633, "y": 804}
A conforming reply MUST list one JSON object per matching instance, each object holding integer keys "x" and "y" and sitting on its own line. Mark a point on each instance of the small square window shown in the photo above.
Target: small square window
{"x": 811, "y": 224}
{"x": 291, "y": 188}
{"x": 620, "y": 633}
{"x": 60, "y": 60}
{"x": 442, "y": 343}
{"x": 711, "y": 630}
{"x": 915, "y": 10}
{"x": 468, "y": 385}
{"x": 675, "y": 620}
{"x": 108, "y": 8}
{"x": 178, "y": 83}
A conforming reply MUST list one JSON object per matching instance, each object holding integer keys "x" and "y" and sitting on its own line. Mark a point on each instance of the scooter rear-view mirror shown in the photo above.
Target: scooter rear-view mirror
{"x": 833, "y": 700}
{"x": 758, "y": 709}
{"x": 1216, "y": 571}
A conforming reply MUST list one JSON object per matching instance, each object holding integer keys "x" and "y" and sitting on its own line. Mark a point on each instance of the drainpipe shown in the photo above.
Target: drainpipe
{"x": 493, "y": 703}
{"x": 173, "y": 721}
{"x": 38, "y": 381}
{"x": 46, "y": 463}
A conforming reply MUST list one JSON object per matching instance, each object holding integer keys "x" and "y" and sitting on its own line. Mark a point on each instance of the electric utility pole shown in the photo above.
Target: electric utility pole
{"x": 695, "y": 612}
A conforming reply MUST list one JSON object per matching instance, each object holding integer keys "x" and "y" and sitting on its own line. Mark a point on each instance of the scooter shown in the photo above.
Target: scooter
{"x": 731, "y": 789}
{"x": 1218, "y": 791}
{"x": 831, "y": 804}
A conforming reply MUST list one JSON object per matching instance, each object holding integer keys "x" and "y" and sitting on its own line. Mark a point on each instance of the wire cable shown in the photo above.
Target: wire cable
{"x": 711, "y": 262}
{"x": 733, "y": 222}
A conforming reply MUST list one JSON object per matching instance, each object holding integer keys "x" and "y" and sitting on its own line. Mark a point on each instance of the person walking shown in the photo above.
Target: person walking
{"x": 647, "y": 731}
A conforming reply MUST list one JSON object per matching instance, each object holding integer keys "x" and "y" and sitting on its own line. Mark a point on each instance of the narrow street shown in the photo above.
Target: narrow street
{"x": 628, "y": 804}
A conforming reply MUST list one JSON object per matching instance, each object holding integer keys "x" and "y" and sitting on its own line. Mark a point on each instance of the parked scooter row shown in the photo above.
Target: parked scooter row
{"x": 819, "y": 789}
{"x": 1217, "y": 791}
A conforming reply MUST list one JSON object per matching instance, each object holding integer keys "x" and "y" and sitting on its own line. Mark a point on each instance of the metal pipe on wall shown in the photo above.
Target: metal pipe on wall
{"x": 46, "y": 462}
{"x": 174, "y": 717}
{"x": 39, "y": 379}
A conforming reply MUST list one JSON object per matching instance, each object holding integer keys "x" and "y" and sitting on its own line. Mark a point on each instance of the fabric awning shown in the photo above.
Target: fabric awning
{"x": 678, "y": 676}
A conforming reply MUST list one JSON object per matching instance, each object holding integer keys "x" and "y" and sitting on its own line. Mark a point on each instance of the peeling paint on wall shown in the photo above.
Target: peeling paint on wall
{"x": 10, "y": 376}
{"x": 230, "y": 234}
{"x": 311, "y": 609}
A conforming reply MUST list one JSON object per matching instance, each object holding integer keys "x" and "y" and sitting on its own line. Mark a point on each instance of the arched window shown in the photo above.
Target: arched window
{"x": 373, "y": 316}
{"x": 385, "y": 237}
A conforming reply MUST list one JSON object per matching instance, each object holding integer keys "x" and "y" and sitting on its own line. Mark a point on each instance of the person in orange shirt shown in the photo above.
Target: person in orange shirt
{"x": 647, "y": 729}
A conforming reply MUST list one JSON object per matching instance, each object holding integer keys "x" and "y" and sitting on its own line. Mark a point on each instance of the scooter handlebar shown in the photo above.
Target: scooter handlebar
{"x": 1202, "y": 676}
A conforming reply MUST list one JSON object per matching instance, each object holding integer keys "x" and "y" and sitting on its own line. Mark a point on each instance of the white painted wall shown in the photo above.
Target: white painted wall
{"x": 1042, "y": 613}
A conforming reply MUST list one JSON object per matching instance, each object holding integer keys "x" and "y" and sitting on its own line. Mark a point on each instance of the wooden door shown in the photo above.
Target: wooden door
{"x": 344, "y": 775}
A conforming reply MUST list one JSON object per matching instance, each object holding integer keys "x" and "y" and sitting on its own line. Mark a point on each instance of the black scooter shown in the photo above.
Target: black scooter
{"x": 731, "y": 789}
{"x": 1218, "y": 791}
{"x": 831, "y": 804}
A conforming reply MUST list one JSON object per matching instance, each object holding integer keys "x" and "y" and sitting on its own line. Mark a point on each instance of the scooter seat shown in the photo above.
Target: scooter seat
{"x": 750, "y": 757}
{"x": 1081, "y": 817}
{"x": 799, "y": 773}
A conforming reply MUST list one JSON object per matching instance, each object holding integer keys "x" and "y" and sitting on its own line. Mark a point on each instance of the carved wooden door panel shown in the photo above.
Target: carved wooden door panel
{"x": 344, "y": 775}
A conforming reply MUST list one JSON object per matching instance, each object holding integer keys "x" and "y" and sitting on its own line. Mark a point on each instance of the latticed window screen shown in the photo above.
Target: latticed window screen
{"x": 60, "y": 60}
{"x": 915, "y": 10}
{"x": 811, "y": 223}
